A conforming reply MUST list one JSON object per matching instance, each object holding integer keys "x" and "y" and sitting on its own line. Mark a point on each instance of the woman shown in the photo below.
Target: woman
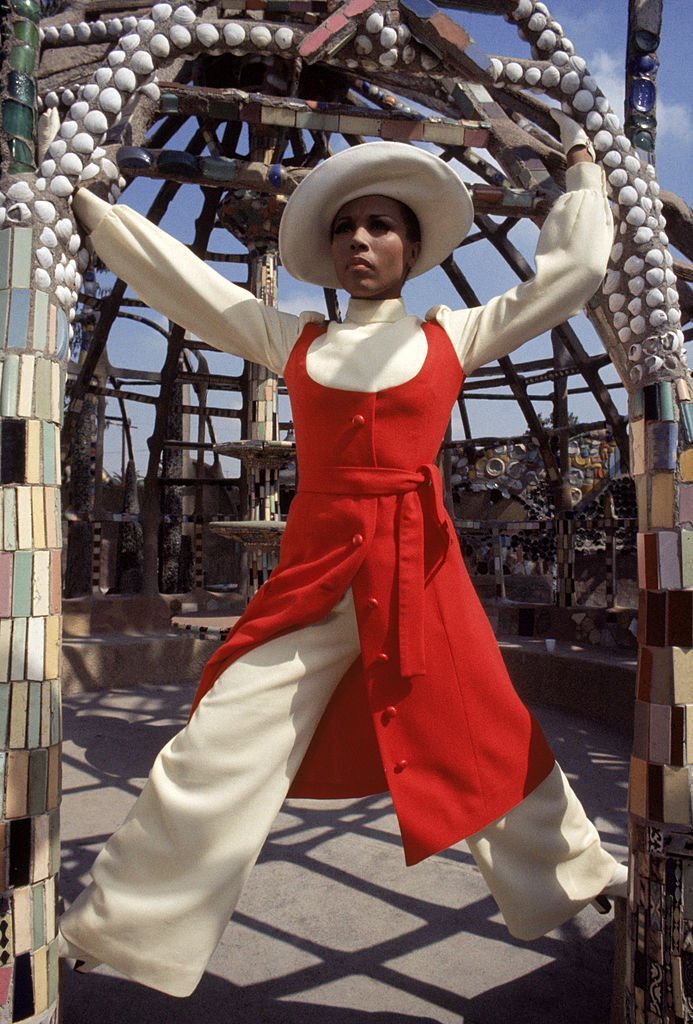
{"x": 366, "y": 662}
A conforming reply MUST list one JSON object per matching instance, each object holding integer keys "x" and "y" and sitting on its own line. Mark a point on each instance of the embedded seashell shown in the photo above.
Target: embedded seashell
{"x": 82, "y": 143}
{"x": 116, "y": 57}
{"x": 654, "y": 298}
{"x": 579, "y": 64}
{"x": 109, "y": 168}
{"x": 20, "y": 192}
{"x": 636, "y": 285}
{"x": 152, "y": 90}
{"x": 560, "y": 58}
{"x": 668, "y": 258}
{"x": 409, "y": 54}
{"x": 654, "y": 363}
{"x": 284, "y": 38}
{"x": 125, "y": 80}
{"x": 583, "y": 100}
{"x": 643, "y": 235}
{"x": 129, "y": 42}
{"x": 616, "y": 302}
{"x": 79, "y": 110}
{"x": 375, "y": 23}
{"x": 672, "y": 295}
{"x": 635, "y": 306}
{"x": 593, "y": 123}
{"x": 159, "y": 45}
{"x": 652, "y": 223}
{"x": 636, "y": 216}
{"x": 611, "y": 281}
{"x": 44, "y": 256}
{"x": 635, "y": 352}
{"x": 145, "y": 27}
{"x": 429, "y": 60}
{"x": 57, "y": 148}
{"x": 654, "y": 185}
{"x": 496, "y": 68}
{"x": 537, "y": 22}
{"x": 51, "y": 100}
{"x": 646, "y": 203}
{"x": 633, "y": 265}
{"x": 48, "y": 168}
{"x": 51, "y": 35}
{"x": 638, "y": 325}
{"x": 570, "y": 83}
{"x": 618, "y": 178}
{"x": 62, "y": 294}
{"x": 234, "y": 34}
{"x": 83, "y": 259}
{"x": 260, "y": 36}
{"x": 617, "y": 252}
{"x": 61, "y": 186}
{"x": 636, "y": 374}
{"x": 388, "y": 59}
{"x": 99, "y": 30}
{"x": 551, "y": 76}
{"x": 90, "y": 92}
{"x": 59, "y": 274}
{"x": 612, "y": 122}
{"x": 110, "y": 101}
{"x": 632, "y": 164}
{"x": 655, "y": 257}
{"x": 638, "y": 183}
{"x": 71, "y": 164}
{"x": 184, "y": 15}
{"x": 619, "y": 320}
{"x": 624, "y": 336}
{"x": 613, "y": 157}
{"x": 673, "y": 316}
{"x": 42, "y": 278}
{"x": 207, "y": 34}
{"x": 603, "y": 140}
{"x": 627, "y": 196}
{"x": 663, "y": 236}
{"x": 129, "y": 23}
{"x": 161, "y": 12}
{"x": 96, "y": 122}
{"x": 180, "y": 37}
{"x": 70, "y": 270}
{"x": 63, "y": 229}
{"x": 388, "y": 37}
{"x": 547, "y": 40}
{"x": 142, "y": 63}
{"x": 67, "y": 97}
{"x": 532, "y": 76}
{"x": 602, "y": 104}
{"x": 623, "y": 143}
{"x": 403, "y": 33}
{"x": 74, "y": 244}
{"x": 67, "y": 32}
{"x": 45, "y": 211}
{"x": 590, "y": 84}
{"x": 657, "y": 205}
{"x": 513, "y": 71}
{"x": 669, "y": 276}
{"x": 48, "y": 237}
{"x": 523, "y": 9}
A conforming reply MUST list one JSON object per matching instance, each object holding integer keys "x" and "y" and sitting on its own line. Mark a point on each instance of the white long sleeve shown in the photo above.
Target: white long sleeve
{"x": 571, "y": 257}
{"x": 166, "y": 275}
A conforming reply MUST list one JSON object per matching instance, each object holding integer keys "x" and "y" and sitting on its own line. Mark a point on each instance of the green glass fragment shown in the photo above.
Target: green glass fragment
{"x": 168, "y": 104}
{"x": 18, "y": 120}
{"x": 23, "y": 58}
{"x": 21, "y": 153}
{"x": 15, "y": 168}
{"x": 27, "y": 9}
{"x": 21, "y": 88}
{"x": 27, "y": 33}
{"x": 644, "y": 140}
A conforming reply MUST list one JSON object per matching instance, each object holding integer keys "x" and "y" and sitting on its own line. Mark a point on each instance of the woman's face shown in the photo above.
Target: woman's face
{"x": 370, "y": 249}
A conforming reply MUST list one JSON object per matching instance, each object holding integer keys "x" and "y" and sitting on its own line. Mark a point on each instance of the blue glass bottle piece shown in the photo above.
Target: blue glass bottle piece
{"x": 134, "y": 157}
{"x": 642, "y": 95}
{"x": 178, "y": 162}
{"x": 646, "y": 41}
{"x": 644, "y": 64}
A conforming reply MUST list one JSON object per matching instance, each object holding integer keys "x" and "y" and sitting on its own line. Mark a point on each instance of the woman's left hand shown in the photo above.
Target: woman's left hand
{"x": 574, "y": 139}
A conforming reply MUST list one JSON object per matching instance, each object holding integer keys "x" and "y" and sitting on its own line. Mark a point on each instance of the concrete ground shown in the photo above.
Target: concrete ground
{"x": 332, "y": 928}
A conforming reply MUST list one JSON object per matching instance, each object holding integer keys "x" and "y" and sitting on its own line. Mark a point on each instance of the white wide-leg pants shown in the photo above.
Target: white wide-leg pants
{"x": 168, "y": 880}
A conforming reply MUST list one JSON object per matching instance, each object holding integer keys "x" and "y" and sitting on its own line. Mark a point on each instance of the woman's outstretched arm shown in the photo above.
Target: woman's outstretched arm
{"x": 168, "y": 277}
{"x": 571, "y": 257}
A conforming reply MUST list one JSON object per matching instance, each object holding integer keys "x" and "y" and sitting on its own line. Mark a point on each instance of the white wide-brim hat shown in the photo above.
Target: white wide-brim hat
{"x": 428, "y": 186}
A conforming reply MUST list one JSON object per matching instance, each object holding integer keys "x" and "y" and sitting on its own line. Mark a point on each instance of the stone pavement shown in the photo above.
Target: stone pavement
{"x": 332, "y": 928}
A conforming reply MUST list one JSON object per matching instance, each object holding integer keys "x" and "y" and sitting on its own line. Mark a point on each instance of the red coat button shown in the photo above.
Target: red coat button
{"x": 373, "y": 602}
{"x": 382, "y": 657}
{"x": 389, "y": 713}
{"x": 357, "y": 540}
{"x": 358, "y": 420}
{"x": 401, "y": 765}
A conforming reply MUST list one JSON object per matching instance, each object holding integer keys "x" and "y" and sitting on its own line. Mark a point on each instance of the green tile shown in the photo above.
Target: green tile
{"x": 9, "y": 518}
{"x": 5, "y": 247}
{"x": 21, "y": 153}
{"x": 687, "y": 558}
{"x": 56, "y": 724}
{"x": 48, "y": 448}
{"x": 26, "y": 33}
{"x": 23, "y": 58}
{"x": 21, "y": 583}
{"x": 21, "y": 87}
{"x": 18, "y": 655}
{"x": 33, "y": 737}
{"x": 27, "y": 9}
{"x": 4, "y": 306}
{"x": 38, "y": 781}
{"x": 38, "y": 914}
{"x": 40, "y": 321}
{"x": 21, "y": 258}
{"x": 62, "y": 332}
{"x": 4, "y": 711}
{"x": 42, "y": 388}
{"x": 10, "y": 386}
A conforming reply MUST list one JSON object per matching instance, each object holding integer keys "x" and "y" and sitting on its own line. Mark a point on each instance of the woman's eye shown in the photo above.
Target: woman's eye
{"x": 340, "y": 228}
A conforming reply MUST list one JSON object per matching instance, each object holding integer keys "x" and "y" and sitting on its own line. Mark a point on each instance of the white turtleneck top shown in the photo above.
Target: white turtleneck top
{"x": 379, "y": 345}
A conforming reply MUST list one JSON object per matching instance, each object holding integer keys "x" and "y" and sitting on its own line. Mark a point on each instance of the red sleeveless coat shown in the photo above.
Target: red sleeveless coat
{"x": 428, "y": 710}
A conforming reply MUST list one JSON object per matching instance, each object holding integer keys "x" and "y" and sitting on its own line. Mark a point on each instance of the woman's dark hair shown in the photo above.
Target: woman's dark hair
{"x": 411, "y": 223}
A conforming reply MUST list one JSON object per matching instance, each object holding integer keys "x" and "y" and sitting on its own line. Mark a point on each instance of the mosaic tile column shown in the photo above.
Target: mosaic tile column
{"x": 33, "y": 343}
{"x": 659, "y": 982}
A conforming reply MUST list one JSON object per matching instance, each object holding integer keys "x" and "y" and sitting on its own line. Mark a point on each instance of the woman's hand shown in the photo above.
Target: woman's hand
{"x": 576, "y": 144}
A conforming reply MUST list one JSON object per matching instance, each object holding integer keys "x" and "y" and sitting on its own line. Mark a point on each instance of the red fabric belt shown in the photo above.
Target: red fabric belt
{"x": 421, "y": 501}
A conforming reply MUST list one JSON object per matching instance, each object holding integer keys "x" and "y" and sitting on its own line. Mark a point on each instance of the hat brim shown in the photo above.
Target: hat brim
{"x": 424, "y": 182}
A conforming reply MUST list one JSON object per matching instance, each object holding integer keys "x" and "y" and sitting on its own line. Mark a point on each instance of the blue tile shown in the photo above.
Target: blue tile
{"x": 18, "y": 331}
{"x": 62, "y": 335}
